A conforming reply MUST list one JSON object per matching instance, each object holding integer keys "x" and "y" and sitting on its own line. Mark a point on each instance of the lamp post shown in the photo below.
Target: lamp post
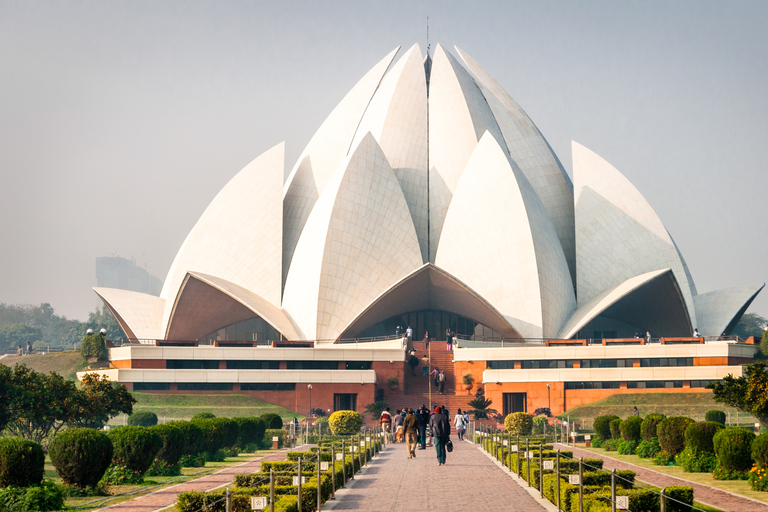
{"x": 309, "y": 387}
{"x": 549, "y": 399}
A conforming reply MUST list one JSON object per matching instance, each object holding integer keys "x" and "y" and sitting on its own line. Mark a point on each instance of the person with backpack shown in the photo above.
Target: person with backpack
{"x": 461, "y": 426}
{"x": 441, "y": 378}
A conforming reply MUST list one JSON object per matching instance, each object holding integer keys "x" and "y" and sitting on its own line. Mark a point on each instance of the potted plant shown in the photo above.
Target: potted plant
{"x": 468, "y": 380}
{"x": 393, "y": 382}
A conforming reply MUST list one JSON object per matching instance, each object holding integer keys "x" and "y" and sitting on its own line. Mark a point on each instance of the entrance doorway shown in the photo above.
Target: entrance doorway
{"x": 515, "y": 402}
{"x": 345, "y": 402}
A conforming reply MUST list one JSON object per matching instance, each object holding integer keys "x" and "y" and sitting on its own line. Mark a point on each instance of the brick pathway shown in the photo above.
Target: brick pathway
{"x": 713, "y": 497}
{"x": 468, "y": 481}
{"x": 169, "y": 495}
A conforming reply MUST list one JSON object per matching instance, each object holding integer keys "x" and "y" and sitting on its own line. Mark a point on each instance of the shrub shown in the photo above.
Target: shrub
{"x": 345, "y": 422}
{"x": 193, "y": 436}
{"x": 602, "y": 425}
{"x": 733, "y": 447}
{"x": 615, "y": 426}
{"x": 81, "y": 455}
{"x": 273, "y": 432}
{"x": 519, "y": 423}
{"x": 121, "y": 475}
{"x": 698, "y": 436}
{"x": 729, "y": 474}
{"x": 272, "y": 420}
{"x": 94, "y": 349}
{"x": 758, "y": 478}
{"x": 47, "y": 496}
{"x": 135, "y": 447}
{"x": 540, "y": 423}
{"x": 693, "y": 461}
{"x": 162, "y": 468}
{"x": 648, "y": 426}
{"x": 760, "y": 450}
{"x": 627, "y": 447}
{"x": 717, "y": 416}
{"x": 173, "y": 442}
{"x": 680, "y": 498}
{"x": 611, "y": 445}
{"x": 213, "y": 435}
{"x": 22, "y": 462}
{"x": 247, "y": 430}
{"x": 648, "y": 449}
{"x": 630, "y": 428}
{"x": 203, "y": 416}
{"x": 142, "y": 419}
{"x": 663, "y": 458}
{"x": 671, "y": 434}
{"x": 229, "y": 431}
{"x": 543, "y": 410}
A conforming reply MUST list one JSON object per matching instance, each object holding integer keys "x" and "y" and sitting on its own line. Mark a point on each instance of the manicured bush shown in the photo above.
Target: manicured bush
{"x": 760, "y": 451}
{"x": 671, "y": 434}
{"x": 43, "y": 497}
{"x": 693, "y": 461}
{"x": 733, "y": 447}
{"x": 648, "y": 426}
{"x": 519, "y": 423}
{"x": 627, "y": 447}
{"x": 173, "y": 442}
{"x": 229, "y": 431}
{"x": 193, "y": 437}
{"x": 142, "y": 419}
{"x": 345, "y": 422}
{"x": 213, "y": 436}
{"x": 680, "y": 498}
{"x": 21, "y": 462}
{"x": 249, "y": 431}
{"x": 81, "y": 455}
{"x": 698, "y": 436}
{"x": 93, "y": 348}
{"x": 540, "y": 423}
{"x": 272, "y": 420}
{"x": 121, "y": 475}
{"x": 615, "y": 427}
{"x": 203, "y": 416}
{"x": 135, "y": 447}
{"x": 630, "y": 428}
{"x": 648, "y": 449}
{"x": 273, "y": 432}
{"x": 718, "y": 416}
{"x": 602, "y": 425}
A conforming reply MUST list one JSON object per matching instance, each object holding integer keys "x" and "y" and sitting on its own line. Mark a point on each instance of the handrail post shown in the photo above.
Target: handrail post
{"x": 541, "y": 470}
{"x": 228, "y": 504}
{"x": 509, "y": 451}
{"x": 581, "y": 484}
{"x": 663, "y": 500}
{"x": 333, "y": 471}
{"x": 517, "y": 457}
{"x": 343, "y": 464}
{"x": 527, "y": 462}
{"x": 298, "y": 487}
{"x": 557, "y": 479}
{"x": 613, "y": 490}
{"x": 271, "y": 490}
{"x": 319, "y": 479}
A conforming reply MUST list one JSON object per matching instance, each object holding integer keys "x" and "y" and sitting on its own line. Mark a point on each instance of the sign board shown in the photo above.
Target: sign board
{"x": 513, "y": 448}
{"x": 587, "y": 437}
{"x": 505, "y": 442}
{"x": 339, "y": 456}
{"x": 622, "y": 502}
{"x": 258, "y": 502}
{"x": 368, "y": 439}
{"x": 296, "y": 480}
{"x": 549, "y": 464}
{"x": 530, "y": 455}
{"x": 362, "y": 444}
{"x": 275, "y": 439}
{"x": 573, "y": 434}
{"x": 573, "y": 479}
{"x": 323, "y": 466}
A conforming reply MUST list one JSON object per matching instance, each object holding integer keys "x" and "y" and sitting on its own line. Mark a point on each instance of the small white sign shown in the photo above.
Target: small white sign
{"x": 549, "y": 464}
{"x": 573, "y": 479}
{"x": 362, "y": 444}
{"x": 513, "y": 448}
{"x": 505, "y": 442}
{"x": 339, "y": 456}
{"x": 275, "y": 439}
{"x": 353, "y": 448}
{"x": 530, "y": 455}
{"x": 296, "y": 480}
{"x": 368, "y": 438}
{"x": 573, "y": 434}
{"x": 323, "y": 466}
{"x": 622, "y": 502}
{"x": 258, "y": 502}
{"x": 587, "y": 437}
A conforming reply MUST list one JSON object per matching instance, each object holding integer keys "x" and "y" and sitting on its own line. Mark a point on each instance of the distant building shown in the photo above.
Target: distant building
{"x": 122, "y": 273}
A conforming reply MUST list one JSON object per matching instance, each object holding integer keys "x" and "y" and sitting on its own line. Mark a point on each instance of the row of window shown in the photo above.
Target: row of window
{"x": 214, "y": 386}
{"x": 205, "y": 364}
{"x": 590, "y": 363}
{"x": 637, "y": 384}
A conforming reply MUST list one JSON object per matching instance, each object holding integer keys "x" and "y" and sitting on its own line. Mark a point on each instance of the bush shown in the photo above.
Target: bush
{"x": 717, "y": 416}
{"x": 272, "y": 420}
{"x": 193, "y": 436}
{"x": 173, "y": 442}
{"x": 758, "y": 478}
{"x": 203, "y": 416}
{"x": 47, "y": 496}
{"x": 627, "y": 447}
{"x": 121, "y": 475}
{"x": 648, "y": 449}
{"x": 213, "y": 435}
{"x": 229, "y": 431}
{"x": 246, "y": 431}
{"x": 142, "y": 419}
{"x": 519, "y": 423}
{"x": 611, "y": 445}
{"x": 671, "y": 434}
{"x": 680, "y": 498}
{"x": 540, "y": 423}
{"x": 162, "y": 468}
{"x": 698, "y": 436}
{"x": 648, "y": 426}
{"x": 615, "y": 426}
{"x": 733, "y": 447}
{"x": 135, "y": 447}
{"x": 630, "y": 428}
{"x": 273, "y": 432}
{"x": 693, "y": 461}
{"x": 22, "y": 462}
{"x": 663, "y": 458}
{"x": 81, "y": 455}
{"x": 94, "y": 349}
{"x": 345, "y": 422}
{"x": 602, "y": 425}
{"x": 760, "y": 450}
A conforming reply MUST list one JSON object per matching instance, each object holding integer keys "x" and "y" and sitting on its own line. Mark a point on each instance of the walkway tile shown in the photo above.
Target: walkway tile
{"x": 468, "y": 481}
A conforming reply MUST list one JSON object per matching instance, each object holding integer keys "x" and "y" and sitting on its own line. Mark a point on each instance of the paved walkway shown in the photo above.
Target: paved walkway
{"x": 468, "y": 481}
{"x": 169, "y": 495}
{"x": 717, "y": 498}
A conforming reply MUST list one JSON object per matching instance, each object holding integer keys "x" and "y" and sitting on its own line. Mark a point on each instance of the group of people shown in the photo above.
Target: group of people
{"x": 423, "y": 428}
{"x": 437, "y": 375}
{"x": 21, "y": 352}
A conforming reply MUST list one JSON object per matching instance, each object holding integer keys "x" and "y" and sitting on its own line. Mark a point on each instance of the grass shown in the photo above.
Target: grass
{"x": 735, "y": 486}
{"x": 63, "y": 363}
{"x": 692, "y": 405}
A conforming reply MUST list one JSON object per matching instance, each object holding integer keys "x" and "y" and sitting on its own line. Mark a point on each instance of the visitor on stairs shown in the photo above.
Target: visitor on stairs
{"x": 441, "y": 378}
{"x": 424, "y": 365}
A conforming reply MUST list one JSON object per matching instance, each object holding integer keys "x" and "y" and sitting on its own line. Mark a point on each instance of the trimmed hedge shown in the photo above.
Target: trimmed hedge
{"x": 671, "y": 434}
{"x": 270, "y": 433}
{"x": 249, "y": 431}
{"x": 717, "y": 416}
{"x": 519, "y": 423}
{"x": 630, "y": 428}
{"x": 213, "y": 435}
{"x": 648, "y": 427}
{"x": 81, "y": 455}
{"x": 173, "y": 442}
{"x": 142, "y": 419}
{"x": 272, "y": 420}
{"x": 615, "y": 427}
{"x": 602, "y": 425}
{"x": 193, "y": 437}
{"x": 22, "y": 462}
{"x": 202, "y": 416}
{"x": 760, "y": 450}
{"x": 733, "y": 447}
{"x": 698, "y": 436}
{"x": 345, "y": 422}
{"x": 46, "y": 496}
{"x": 229, "y": 431}
{"x": 135, "y": 447}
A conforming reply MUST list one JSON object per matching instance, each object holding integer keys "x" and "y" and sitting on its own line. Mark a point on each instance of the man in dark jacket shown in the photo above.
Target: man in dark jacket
{"x": 423, "y": 416}
{"x": 441, "y": 432}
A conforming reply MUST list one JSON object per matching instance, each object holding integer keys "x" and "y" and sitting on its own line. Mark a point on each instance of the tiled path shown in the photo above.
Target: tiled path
{"x": 169, "y": 495}
{"x": 468, "y": 481}
{"x": 703, "y": 494}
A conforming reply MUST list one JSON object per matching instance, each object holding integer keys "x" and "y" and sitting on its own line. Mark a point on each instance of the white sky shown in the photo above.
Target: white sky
{"x": 120, "y": 121}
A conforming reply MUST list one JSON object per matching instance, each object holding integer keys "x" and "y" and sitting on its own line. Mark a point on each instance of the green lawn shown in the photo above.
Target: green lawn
{"x": 63, "y": 363}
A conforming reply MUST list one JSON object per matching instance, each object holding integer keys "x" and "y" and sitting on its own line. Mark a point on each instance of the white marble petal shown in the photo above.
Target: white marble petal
{"x": 239, "y": 236}
{"x": 533, "y": 155}
{"x": 139, "y": 314}
{"x": 718, "y": 311}
{"x": 618, "y": 235}
{"x": 506, "y": 248}
{"x": 358, "y": 242}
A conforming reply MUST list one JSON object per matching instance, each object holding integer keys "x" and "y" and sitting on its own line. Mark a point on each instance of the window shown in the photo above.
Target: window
{"x": 151, "y": 386}
{"x": 654, "y": 384}
{"x": 268, "y": 386}
{"x": 312, "y": 365}
{"x": 191, "y": 364}
{"x": 592, "y": 385}
{"x": 203, "y": 386}
{"x": 694, "y": 383}
{"x": 514, "y": 402}
{"x": 358, "y": 365}
{"x": 253, "y": 365}
{"x": 500, "y": 365}
{"x": 345, "y": 401}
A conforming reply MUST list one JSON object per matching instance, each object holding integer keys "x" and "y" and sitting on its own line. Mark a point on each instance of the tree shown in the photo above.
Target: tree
{"x": 750, "y": 324}
{"x": 94, "y": 349}
{"x": 480, "y": 406}
{"x": 13, "y": 335}
{"x": 100, "y": 400}
{"x": 748, "y": 393}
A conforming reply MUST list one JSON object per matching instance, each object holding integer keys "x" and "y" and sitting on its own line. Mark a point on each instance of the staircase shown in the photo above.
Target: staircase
{"x": 417, "y": 386}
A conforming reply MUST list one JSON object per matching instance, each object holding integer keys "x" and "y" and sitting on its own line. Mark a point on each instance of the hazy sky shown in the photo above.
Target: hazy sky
{"x": 120, "y": 121}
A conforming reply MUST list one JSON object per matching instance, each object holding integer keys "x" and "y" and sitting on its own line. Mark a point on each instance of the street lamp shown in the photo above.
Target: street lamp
{"x": 309, "y": 387}
{"x": 549, "y": 399}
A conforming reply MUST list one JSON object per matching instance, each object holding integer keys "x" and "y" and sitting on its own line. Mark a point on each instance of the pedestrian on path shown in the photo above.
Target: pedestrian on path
{"x": 441, "y": 433}
{"x": 461, "y": 427}
{"x": 397, "y": 426}
{"x": 411, "y": 426}
{"x": 386, "y": 421}
{"x": 423, "y": 416}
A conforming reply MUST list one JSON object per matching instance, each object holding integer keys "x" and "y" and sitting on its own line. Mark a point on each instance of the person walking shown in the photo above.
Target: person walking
{"x": 423, "y": 416}
{"x": 425, "y": 365}
{"x": 397, "y": 425}
{"x": 426, "y": 340}
{"x": 448, "y": 343}
{"x": 441, "y": 433}
{"x": 461, "y": 427}
{"x": 411, "y": 426}
{"x": 409, "y": 334}
{"x": 413, "y": 362}
{"x": 29, "y": 349}
{"x": 386, "y": 421}
{"x": 441, "y": 378}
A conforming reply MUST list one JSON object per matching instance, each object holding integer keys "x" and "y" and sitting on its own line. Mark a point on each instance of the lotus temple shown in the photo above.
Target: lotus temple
{"x": 428, "y": 199}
